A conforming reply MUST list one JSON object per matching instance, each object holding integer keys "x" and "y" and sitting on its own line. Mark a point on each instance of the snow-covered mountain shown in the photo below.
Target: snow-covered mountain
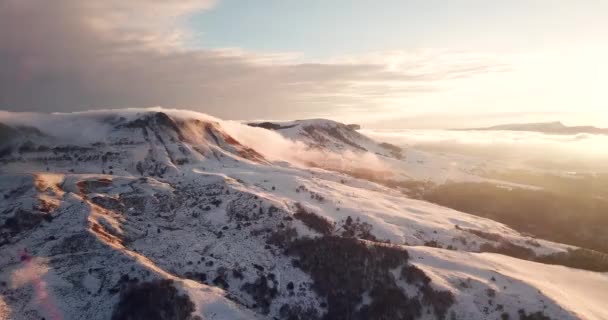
{"x": 128, "y": 214}
{"x": 330, "y": 135}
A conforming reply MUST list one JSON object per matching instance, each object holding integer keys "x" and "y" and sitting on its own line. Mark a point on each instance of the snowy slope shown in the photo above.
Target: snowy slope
{"x": 562, "y": 293}
{"x": 102, "y": 198}
{"x": 330, "y": 136}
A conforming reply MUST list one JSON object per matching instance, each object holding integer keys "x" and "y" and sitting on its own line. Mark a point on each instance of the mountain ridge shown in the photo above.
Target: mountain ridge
{"x": 556, "y": 127}
{"x": 176, "y": 205}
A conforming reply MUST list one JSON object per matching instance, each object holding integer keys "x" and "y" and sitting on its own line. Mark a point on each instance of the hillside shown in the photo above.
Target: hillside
{"x": 101, "y": 207}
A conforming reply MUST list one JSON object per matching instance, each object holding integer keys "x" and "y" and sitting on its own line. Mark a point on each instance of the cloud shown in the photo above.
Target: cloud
{"x": 70, "y": 55}
{"x": 574, "y": 152}
{"x": 275, "y": 147}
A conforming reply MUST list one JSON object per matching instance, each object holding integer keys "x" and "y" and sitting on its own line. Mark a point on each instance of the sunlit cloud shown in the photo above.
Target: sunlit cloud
{"x": 71, "y": 55}
{"x": 576, "y": 151}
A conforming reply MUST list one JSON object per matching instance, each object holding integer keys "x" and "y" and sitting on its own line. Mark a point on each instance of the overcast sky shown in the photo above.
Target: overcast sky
{"x": 390, "y": 63}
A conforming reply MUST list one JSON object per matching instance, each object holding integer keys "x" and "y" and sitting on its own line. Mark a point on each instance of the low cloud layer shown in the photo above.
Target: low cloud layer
{"x": 275, "y": 147}
{"x": 70, "y": 55}
{"x": 577, "y": 151}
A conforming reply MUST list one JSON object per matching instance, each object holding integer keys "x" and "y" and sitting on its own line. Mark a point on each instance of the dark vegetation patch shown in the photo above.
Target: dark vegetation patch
{"x": 578, "y": 258}
{"x": 532, "y": 316}
{"x": 390, "y": 303}
{"x": 263, "y": 291}
{"x": 343, "y": 269}
{"x": 155, "y": 300}
{"x": 357, "y": 229}
{"x": 298, "y": 312}
{"x": 15, "y": 193}
{"x": 313, "y": 220}
{"x": 413, "y": 275}
{"x": 439, "y": 301}
{"x": 270, "y": 125}
{"x": 282, "y": 237}
{"x": 221, "y": 278}
{"x": 245, "y": 207}
{"x": 25, "y": 220}
{"x": 509, "y": 249}
{"x": 109, "y": 203}
{"x": 94, "y": 186}
{"x": 196, "y": 276}
{"x": 485, "y": 235}
{"x": 22, "y": 220}
{"x": 76, "y": 243}
{"x": 574, "y": 258}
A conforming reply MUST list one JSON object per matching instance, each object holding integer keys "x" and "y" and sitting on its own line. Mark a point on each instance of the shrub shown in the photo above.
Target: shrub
{"x": 297, "y": 312}
{"x": 343, "y": 269}
{"x": 220, "y": 278}
{"x": 156, "y": 300}
{"x": 485, "y": 235}
{"x": 509, "y": 249}
{"x": 313, "y": 221}
{"x": 413, "y": 275}
{"x": 22, "y": 221}
{"x": 262, "y": 293}
{"x": 282, "y": 237}
{"x": 357, "y": 229}
{"x": 432, "y": 244}
{"x": 440, "y": 301}
{"x": 390, "y": 303}
{"x": 533, "y": 316}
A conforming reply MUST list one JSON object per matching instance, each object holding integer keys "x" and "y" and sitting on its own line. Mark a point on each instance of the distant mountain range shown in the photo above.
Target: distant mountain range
{"x": 545, "y": 127}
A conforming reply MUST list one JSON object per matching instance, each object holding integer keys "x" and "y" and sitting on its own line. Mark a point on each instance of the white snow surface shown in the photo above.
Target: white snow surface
{"x": 153, "y": 202}
{"x": 563, "y": 293}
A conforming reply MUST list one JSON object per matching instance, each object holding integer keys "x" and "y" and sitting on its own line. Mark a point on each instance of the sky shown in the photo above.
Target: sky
{"x": 383, "y": 64}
